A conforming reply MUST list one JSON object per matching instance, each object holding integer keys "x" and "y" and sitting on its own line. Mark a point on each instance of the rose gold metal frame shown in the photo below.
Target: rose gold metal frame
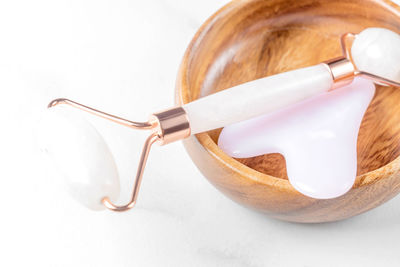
{"x": 166, "y": 127}
{"x": 343, "y": 69}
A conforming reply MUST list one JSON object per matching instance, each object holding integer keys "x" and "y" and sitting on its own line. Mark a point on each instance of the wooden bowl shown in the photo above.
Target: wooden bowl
{"x": 246, "y": 40}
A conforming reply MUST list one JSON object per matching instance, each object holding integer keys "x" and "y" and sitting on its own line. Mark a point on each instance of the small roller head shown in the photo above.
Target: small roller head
{"x": 377, "y": 51}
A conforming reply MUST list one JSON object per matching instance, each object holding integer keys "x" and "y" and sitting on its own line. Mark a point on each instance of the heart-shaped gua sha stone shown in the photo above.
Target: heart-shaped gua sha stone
{"x": 317, "y": 137}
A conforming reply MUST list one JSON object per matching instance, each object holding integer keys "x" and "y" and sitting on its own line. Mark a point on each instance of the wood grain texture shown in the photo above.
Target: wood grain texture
{"x": 246, "y": 40}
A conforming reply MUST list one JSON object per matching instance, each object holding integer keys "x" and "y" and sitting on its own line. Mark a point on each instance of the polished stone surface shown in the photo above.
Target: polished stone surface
{"x": 317, "y": 137}
{"x": 266, "y": 95}
{"x": 80, "y": 155}
{"x": 376, "y": 50}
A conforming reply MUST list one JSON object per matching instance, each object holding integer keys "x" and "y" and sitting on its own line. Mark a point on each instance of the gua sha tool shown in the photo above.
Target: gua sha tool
{"x": 255, "y": 98}
{"x": 317, "y": 137}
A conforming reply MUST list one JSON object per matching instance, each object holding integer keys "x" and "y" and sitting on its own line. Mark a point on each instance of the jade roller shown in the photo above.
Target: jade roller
{"x": 91, "y": 172}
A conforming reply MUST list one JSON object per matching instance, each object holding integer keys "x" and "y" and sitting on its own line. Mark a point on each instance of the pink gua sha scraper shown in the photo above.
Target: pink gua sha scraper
{"x": 374, "y": 54}
{"x": 317, "y": 137}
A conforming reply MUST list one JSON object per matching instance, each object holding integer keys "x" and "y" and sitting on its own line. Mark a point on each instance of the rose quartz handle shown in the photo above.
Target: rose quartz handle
{"x": 257, "y": 97}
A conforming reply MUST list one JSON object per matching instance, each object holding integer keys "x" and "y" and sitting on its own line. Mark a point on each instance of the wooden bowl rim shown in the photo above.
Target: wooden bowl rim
{"x": 244, "y": 171}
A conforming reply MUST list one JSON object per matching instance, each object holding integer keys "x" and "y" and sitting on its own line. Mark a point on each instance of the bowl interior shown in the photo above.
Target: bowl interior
{"x": 274, "y": 36}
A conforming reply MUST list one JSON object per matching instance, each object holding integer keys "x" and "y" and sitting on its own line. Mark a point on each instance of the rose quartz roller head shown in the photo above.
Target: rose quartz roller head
{"x": 374, "y": 54}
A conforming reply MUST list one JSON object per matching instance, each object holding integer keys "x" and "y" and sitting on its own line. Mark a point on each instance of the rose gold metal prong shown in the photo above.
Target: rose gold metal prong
{"x": 167, "y": 126}
{"x": 377, "y": 79}
{"x": 139, "y": 175}
{"x": 113, "y": 118}
{"x": 346, "y": 51}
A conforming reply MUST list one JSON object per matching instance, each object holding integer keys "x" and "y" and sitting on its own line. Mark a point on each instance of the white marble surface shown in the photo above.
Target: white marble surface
{"x": 117, "y": 55}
